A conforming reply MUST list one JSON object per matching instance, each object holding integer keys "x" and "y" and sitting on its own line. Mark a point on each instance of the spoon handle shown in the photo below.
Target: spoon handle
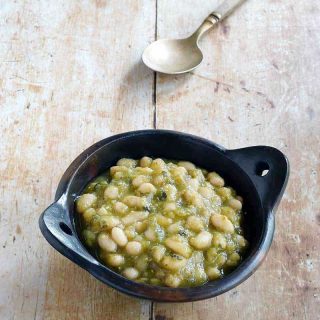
{"x": 225, "y": 8}
{"x": 222, "y": 11}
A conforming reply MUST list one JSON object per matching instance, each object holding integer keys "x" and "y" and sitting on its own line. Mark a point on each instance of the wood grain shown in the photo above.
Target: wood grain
{"x": 258, "y": 84}
{"x": 71, "y": 74}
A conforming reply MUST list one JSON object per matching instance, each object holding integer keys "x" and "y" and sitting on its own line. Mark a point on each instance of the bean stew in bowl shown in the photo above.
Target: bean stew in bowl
{"x": 163, "y": 222}
{"x": 167, "y": 216}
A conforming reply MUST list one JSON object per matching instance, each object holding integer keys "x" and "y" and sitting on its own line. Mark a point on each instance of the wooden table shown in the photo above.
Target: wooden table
{"x": 71, "y": 74}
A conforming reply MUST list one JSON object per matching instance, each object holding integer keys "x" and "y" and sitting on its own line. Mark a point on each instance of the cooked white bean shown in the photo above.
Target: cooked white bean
{"x": 150, "y": 234}
{"x": 106, "y": 243}
{"x": 111, "y": 192}
{"x": 120, "y": 207}
{"x": 139, "y": 180}
{"x": 131, "y": 273}
{"x": 115, "y": 260}
{"x": 222, "y": 223}
{"x": 194, "y": 184}
{"x": 170, "y": 206}
{"x": 163, "y": 221}
{"x": 173, "y": 263}
{"x": 88, "y": 214}
{"x": 172, "y": 281}
{"x": 133, "y": 201}
{"x": 202, "y": 240}
{"x": 158, "y": 180}
{"x": 130, "y": 232}
{"x": 86, "y": 201}
{"x": 187, "y": 165}
{"x": 141, "y": 226}
{"x": 145, "y": 162}
{"x": 171, "y": 192}
{"x": 233, "y": 260}
{"x": 134, "y": 248}
{"x": 194, "y": 223}
{"x": 115, "y": 169}
{"x": 192, "y": 197}
{"x": 108, "y": 222}
{"x": 242, "y": 241}
{"x": 129, "y": 163}
{"x": 215, "y": 179}
{"x": 206, "y": 192}
{"x": 119, "y": 236}
{"x": 147, "y": 188}
{"x": 213, "y": 273}
{"x": 219, "y": 240}
{"x": 134, "y": 216}
{"x": 177, "y": 244}
{"x": 158, "y": 165}
{"x": 174, "y": 228}
{"x": 158, "y": 253}
{"x": 102, "y": 211}
{"x": 235, "y": 204}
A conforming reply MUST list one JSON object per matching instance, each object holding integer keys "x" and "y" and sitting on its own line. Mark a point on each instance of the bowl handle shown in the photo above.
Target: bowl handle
{"x": 268, "y": 168}
{"x": 56, "y": 227}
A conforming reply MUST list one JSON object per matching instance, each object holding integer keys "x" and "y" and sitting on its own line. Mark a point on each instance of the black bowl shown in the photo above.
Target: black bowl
{"x": 244, "y": 169}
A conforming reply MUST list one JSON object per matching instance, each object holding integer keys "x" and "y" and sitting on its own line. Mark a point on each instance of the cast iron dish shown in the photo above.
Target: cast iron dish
{"x": 242, "y": 169}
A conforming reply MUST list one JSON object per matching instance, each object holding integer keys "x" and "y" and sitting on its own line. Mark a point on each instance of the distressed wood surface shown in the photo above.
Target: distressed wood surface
{"x": 71, "y": 75}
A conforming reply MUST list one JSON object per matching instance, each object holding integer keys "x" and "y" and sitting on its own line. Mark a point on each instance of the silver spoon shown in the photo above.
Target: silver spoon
{"x": 183, "y": 55}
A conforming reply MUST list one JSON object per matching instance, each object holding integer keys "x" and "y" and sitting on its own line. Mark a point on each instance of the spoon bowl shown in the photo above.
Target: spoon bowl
{"x": 173, "y": 56}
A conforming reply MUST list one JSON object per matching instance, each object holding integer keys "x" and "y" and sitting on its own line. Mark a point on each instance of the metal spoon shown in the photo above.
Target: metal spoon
{"x": 183, "y": 55}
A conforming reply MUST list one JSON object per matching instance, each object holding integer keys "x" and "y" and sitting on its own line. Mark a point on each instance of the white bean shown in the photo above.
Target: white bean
{"x": 177, "y": 244}
{"x": 86, "y": 201}
{"x": 129, "y": 163}
{"x": 158, "y": 180}
{"x": 202, "y": 240}
{"x": 106, "y": 243}
{"x": 194, "y": 184}
{"x": 172, "y": 281}
{"x": 213, "y": 273}
{"x": 115, "y": 169}
{"x": 111, "y": 192}
{"x": 145, "y": 162}
{"x": 115, "y": 260}
{"x": 139, "y": 180}
{"x": 158, "y": 253}
{"x": 187, "y": 165}
{"x": 150, "y": 234}
{"x": 131, "y": 273}
{"x": 134, "y": 216}
{"x": 235, "y": 204}
{"x": 108, "y": 222}
{"x": 222, "y": 223}
{"x": 219, "y": 240}
{"x": 120, "y": 207}
{"x": 171, "y": 192}
{"x": 119, "y": 236}
{"x": 206, "y": 192}
{"x": 158, "y": 165}
{"x": 173, "y": 263}
{"x": 215, "y": 179}
{"x": 88, "y": 214}
{"x": 147, "y": 188}
{"x": 169, "y": 206}
{"x": 133, "y": 201}
{"x": 134, "y": 248}
{"x": 163, "y": 221}
{"x": 194, "y": 223}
